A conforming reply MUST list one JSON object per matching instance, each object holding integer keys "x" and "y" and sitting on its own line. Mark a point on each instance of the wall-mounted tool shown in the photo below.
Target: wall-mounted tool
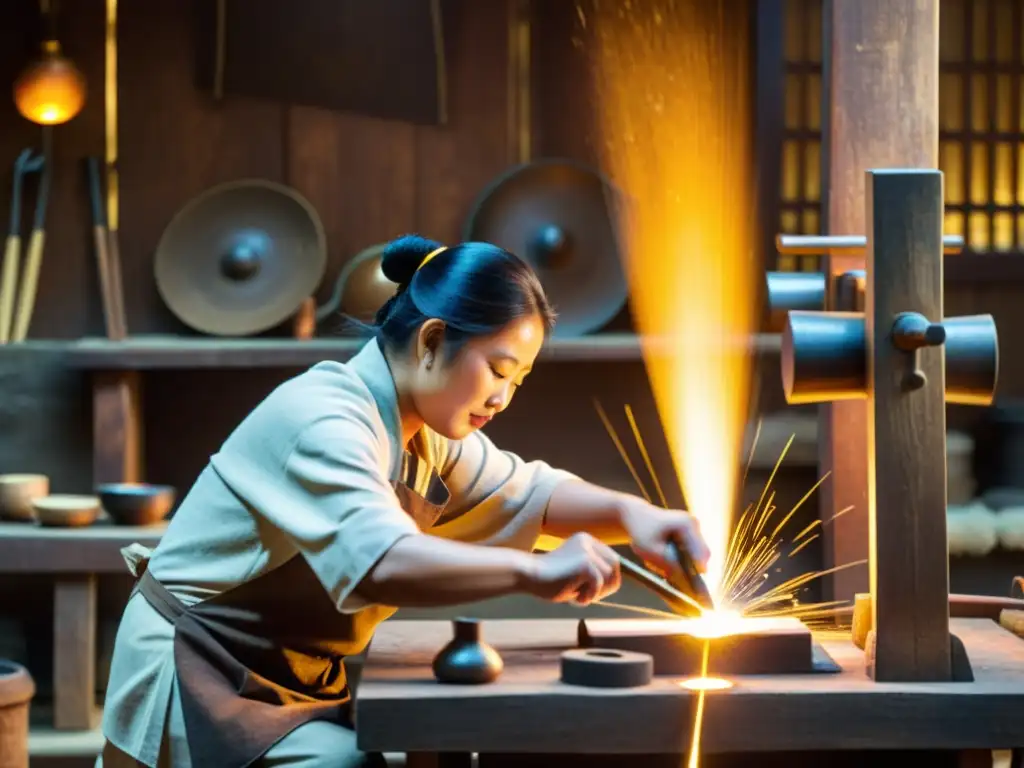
{"x": 112, "y": 295}
{"x": 556, "y": 214}
{"x": 26, "y": 163}
{"x": 241, "y": 258}
{"x": 34, "y": 261}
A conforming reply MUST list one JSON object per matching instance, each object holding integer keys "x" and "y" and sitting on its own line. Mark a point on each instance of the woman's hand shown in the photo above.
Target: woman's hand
{"x": 582, "y": 570}
{"x": 651, "y": 529}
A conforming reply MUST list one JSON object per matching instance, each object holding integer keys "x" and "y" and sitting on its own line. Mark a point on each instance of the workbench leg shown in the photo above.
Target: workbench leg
{"x": 117, "y": 427}
{"x": 74, "y": 652}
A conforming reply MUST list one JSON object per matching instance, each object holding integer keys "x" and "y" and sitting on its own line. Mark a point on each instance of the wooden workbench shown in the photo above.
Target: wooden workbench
{"x": 400, "y": 707}
{"x": 74, "y": 557}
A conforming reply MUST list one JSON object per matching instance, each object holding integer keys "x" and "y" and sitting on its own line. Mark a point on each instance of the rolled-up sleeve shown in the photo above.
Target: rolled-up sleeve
{"x": 343, "y": 514}
{"x": 497, "y": 499}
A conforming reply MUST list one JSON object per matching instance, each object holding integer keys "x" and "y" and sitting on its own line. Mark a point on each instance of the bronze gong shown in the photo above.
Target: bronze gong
{"x": 361, "y": 288}
{"x": 556, "y": 215}
{"x": 240, "y": 258}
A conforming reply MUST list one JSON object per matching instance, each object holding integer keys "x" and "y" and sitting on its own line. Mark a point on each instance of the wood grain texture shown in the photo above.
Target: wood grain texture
{"x": 881, "y": 80}
{"x": 906, "y": 431}
{"x": 26, "y": 548}
{"x": 400, "y": 707}
{"x": 117, "y": 427}
{"x": 74, "y": 652}
{"x": 455, "y": 162}
{"x": 175, "y": 142}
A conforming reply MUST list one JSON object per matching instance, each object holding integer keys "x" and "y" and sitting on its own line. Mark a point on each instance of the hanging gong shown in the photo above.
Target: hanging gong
{"x": 555, "y": 215}
{"x": 361, "y": 288}
{"x": 240, "y": 258}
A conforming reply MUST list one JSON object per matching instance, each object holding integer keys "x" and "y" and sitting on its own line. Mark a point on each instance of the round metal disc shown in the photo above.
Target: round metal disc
{"x": 606, "y": 668}
{"x": 241, "y": 258}
{"x": 555, "y": 214}
{"x": 364, "y": 287}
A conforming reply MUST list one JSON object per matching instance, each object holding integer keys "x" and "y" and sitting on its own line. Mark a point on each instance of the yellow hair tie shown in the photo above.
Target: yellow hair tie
{"x": 431, "y": 255}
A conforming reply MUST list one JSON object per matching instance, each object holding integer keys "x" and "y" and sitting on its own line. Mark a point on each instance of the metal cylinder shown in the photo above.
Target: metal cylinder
{"x": 972, "y": 359}
{"x": 850, "y": 288}
{"x": 789, "y": 291}
{"x": 824, "y": 358}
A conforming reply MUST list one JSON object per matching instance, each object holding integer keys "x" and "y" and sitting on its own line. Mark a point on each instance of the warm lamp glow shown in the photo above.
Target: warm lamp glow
{"x": 50, "y": 90}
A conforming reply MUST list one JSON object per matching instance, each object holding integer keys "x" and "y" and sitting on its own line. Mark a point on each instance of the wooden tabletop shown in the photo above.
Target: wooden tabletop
{"x": 401, "y": 708}
{"x": 31, "y": 548}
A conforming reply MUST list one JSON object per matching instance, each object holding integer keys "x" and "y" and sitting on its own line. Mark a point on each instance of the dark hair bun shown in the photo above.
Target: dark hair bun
{"x": 402, "y": 257}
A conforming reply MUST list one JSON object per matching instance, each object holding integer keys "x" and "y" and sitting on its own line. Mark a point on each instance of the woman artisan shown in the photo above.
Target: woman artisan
{"x": 307, "y": 528}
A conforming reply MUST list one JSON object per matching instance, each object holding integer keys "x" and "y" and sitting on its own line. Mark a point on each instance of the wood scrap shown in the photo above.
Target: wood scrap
{"x": 1013, "y": 621}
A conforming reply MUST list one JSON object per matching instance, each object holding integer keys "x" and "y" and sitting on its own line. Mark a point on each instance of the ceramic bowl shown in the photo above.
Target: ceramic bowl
{"x": 136, "y": 503}
{"x": 16, "y": 494}
{"x": 66, "y": 510}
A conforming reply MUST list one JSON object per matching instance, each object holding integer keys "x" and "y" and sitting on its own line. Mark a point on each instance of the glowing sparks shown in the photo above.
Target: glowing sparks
{"x": 673, "y": 109}
{"x": 706, "y": 684}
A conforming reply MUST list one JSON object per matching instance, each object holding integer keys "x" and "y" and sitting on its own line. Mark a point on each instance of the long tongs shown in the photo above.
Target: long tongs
{"x": 15, "y": 328}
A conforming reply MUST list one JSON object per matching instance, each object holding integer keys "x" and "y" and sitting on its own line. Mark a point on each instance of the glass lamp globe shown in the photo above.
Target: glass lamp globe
{"x": 50, "y": 90}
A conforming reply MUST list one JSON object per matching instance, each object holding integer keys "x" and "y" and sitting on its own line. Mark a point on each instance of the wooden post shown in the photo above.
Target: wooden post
{"x": 881, "y": 85}
{"x": 906, "y": 426}
{"x": 117, "y": 427}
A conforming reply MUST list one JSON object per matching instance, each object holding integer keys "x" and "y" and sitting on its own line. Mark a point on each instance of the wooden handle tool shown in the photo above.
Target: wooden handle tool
{"x": 678, "y": 601}
{"x": 34, "y": 262}
{"x": 25, "y": 164}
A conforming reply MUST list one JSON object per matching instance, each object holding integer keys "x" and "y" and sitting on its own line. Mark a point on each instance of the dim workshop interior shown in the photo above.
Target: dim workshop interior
{"x": 785, "y": 239}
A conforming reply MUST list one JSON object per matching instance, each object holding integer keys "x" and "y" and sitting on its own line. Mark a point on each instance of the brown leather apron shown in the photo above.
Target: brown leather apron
{"x": 258, "y": 660}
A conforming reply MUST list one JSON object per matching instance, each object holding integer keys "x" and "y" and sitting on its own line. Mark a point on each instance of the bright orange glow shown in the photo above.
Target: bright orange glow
{"x": 709, "y": 626}
{"x": 673, "y": 107}
{"x": 51, "y": 90}
{"x": 706, "y": 684}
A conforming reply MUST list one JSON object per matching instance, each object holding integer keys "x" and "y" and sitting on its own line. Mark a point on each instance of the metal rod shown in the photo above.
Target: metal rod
{"x": 805, "y": 245}
{"x": 680, "y": 602}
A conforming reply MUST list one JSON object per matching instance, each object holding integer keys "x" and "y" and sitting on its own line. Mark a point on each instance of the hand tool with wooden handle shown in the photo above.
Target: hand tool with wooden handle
{"x": 99, "y": 227}
{"x": 678, "y": 601}
{"x": 25, "y": 164}
{"x": 34, "y": 261}
{"x": 688, "y": 579}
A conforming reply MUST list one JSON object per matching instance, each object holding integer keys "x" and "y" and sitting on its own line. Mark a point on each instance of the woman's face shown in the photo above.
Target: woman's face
{"x": 458, "y": 396}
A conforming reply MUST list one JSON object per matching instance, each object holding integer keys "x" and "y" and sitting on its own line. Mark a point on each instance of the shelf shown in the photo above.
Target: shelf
{"x": 165, "y": 352}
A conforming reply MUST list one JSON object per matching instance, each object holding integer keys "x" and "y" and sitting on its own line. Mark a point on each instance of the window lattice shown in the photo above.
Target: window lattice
{"x": 981, "y": 113}
{"x": 800, "y": 204}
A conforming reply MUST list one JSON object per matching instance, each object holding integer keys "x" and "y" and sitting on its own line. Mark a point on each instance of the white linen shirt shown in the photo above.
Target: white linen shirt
{"x": 309, "y": 472}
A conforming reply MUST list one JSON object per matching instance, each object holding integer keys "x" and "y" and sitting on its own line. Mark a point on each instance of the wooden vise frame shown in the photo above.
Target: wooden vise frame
{"x": 888, "y": 341}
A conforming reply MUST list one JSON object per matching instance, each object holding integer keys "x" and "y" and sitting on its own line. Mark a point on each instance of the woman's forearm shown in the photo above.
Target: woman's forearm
{"x": 577, "y": 506}
{"x": 427, "y": 571}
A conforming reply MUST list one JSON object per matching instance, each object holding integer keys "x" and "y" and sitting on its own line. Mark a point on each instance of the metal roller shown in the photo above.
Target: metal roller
{"x": 812, "y": 245}
{"x": 824, "y": 358}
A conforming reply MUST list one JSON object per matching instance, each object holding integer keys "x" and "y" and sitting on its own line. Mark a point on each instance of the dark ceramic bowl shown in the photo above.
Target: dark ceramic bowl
{"x": 136, "y": 503}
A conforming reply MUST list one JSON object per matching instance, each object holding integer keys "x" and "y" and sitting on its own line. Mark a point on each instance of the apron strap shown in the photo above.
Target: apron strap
{"x": 157, "y": 595}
